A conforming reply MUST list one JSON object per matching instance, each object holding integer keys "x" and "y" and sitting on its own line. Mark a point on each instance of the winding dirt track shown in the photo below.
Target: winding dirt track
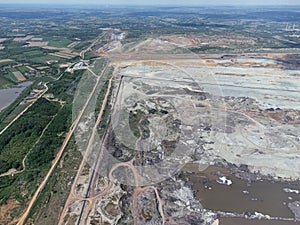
{"x": 92, "y": 199}
{"x": 57, "y": 158}
{"x": 24, "y": 159}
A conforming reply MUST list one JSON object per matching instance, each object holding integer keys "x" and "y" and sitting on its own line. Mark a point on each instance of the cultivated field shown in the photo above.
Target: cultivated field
{"x": 19, "y": 76}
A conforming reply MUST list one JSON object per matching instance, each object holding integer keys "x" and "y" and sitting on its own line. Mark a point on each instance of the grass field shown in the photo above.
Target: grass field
{"x": 34, "y": 53}
{"x": 59, "y": 42}
{"x": 43, "y": 59}
{"x": 23, "y": 69}
{"x": 11, "y": 76}
{"x": 5, "y": 83}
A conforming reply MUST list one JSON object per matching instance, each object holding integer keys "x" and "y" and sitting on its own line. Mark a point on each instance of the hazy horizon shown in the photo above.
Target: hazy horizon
{"x": 156, "y": 2}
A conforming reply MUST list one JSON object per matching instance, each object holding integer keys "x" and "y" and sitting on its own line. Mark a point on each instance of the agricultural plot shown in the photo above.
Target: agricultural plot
{"x": 64, "y": 55}
{"x": 44, "y": 59}
{"x": 58, "y": 42}
{"x": 11, "y": 76}
{"x": 19, "y": 76}
{"x": 23, "y": 69}
{"x": 37, "y": 44}
{"x": 5, "y": 60}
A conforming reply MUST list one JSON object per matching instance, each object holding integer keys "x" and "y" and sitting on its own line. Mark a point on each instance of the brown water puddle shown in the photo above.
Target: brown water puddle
{"x": 242, "y": 221}
{"x": 266, "y": 197}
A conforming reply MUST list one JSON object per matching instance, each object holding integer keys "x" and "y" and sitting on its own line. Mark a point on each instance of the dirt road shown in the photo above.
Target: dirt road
{"x": 72, "y": 195}
{"x": 57, "y": 158}
{"x": 14, "y": 171}
{"x": 21, "y": 113}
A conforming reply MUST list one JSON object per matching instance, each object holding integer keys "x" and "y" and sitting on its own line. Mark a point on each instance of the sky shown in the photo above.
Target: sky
{"x": 156, "y": 2}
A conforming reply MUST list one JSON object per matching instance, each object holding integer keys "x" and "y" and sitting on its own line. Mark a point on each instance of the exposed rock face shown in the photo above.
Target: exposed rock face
{"x": 147, "y": 209}
{"x": 181, "y": 205}
{"x": 295, "y": 207}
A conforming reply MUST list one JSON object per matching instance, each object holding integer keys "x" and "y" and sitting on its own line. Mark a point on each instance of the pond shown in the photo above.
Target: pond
{"x": 9, "y": 95}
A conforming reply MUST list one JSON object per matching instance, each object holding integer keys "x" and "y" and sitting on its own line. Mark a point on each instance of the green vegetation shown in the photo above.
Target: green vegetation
{"x": 13, "y": 114}
{"x": 58, "y": 187}
{"x": 90, "y": 55}
{"x": 2, "y": 64}
{"x": 16, "y": 142}
{"x": 135, "y": 119}
{"x": 82, "y": 45}
{"x": 21, "y": 138}
{"x": 99, "y": 65}
{"x": 64, "y": 88}
{"x": 59, "y": 42}
{"x": 7, "y": 111}
{"x": 106, "y": 113}
{"x": 19, "y": 53}
{"x": 44, "y": 58}
{"x": 45, "y": 151}
{"x": 23, "y": 69}
{"x": 39, "y": 158}
{"x": 209, "y": 49}
{"x": 6, "y": 83}
{"x": 11, "y": 76}
{"x": 101, "y": 97}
